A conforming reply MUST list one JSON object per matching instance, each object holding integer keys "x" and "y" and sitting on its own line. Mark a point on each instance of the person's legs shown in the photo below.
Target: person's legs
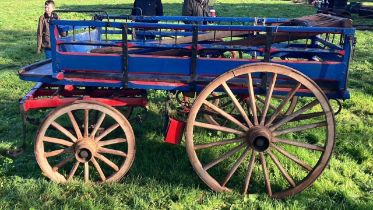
{"x": 48, "y": 53}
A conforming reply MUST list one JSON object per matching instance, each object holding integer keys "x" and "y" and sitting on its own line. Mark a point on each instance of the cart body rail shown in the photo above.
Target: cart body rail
{"x": 323, "y": 55}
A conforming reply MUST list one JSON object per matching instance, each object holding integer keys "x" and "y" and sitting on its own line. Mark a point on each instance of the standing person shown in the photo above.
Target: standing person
{"x": 43, "y": 35}
{"x": 148, "y": 8}
{"x": 201, "y": 8}
{"x": 196, "y": 8}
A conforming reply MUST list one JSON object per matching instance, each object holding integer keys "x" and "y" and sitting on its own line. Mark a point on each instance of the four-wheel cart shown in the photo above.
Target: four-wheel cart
{"x": 257, "y": 93}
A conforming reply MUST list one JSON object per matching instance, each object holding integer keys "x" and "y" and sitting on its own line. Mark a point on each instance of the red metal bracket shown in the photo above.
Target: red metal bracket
{"x": 47, "y": 96}
{"x": 174, "y": 131}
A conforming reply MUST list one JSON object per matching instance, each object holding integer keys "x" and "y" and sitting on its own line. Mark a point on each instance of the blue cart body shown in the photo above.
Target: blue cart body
{"x": 320, "y": 58}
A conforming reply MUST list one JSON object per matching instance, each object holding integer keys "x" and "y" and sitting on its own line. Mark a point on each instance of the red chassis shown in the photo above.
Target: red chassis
{"x": 49, "y": 96}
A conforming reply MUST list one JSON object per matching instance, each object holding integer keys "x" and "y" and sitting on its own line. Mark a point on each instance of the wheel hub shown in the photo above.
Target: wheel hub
{"x": 259, "y": 138}
{"x": 85, "y": 149}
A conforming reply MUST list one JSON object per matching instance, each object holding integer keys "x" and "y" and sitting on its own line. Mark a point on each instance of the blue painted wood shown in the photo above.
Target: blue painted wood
{"x": 72, "y": 54}
{"x": 80, "y": 39}
{"x": 89, "y": 63}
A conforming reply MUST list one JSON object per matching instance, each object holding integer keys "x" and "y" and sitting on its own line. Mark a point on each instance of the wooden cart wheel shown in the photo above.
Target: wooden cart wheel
{"x": 262, "y": 150}
{"x": 83, "y": 151}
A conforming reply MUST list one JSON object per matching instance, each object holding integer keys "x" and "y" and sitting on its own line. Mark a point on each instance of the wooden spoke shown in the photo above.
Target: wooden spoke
{"x": 250, "y": 168}
{"x": 292, "y": 106}
{"x": 281, "y": 168}
{"x": 112, "y": 151}
{"x": 268, "y": 98}
{"x": 293, "y": 158}
{"x": 235, "y": 166}
{"x": 218, "y": 143}
{"x": 300, "y": 128}
{"x": 73, "y": 170}
{"x": 62, "y": 163}
{"x": 283, "y": 103}
{"x": 111, "y": 141}
{"x": 107, "y": 161}
{"x": 258, "y": 109}
{"x": 293, "y": 115}
{"x": 86, "y": 172}
{"x": 218, "y": 128}
{"x": 225, "y": 156}
{"x": 75, "y": 125}
{"x": 86, "y": 122}
{"x": 107, "y": 131}
{"x": 226, "y": 115}
{"x": 57, "y": 152}
{"x": 64, "y": 131}
{"x": 263, "y": 102}
{"x": 214, "y": 97}
{"x": 237, "y": 104}
{"x": 307, "y": 116}
{"x": 98, "y": 124}
{"x": 57, "y": 141}
{"x": 99, "y": 170}
{"x": 299, "y": 144}
{"x": 252, "y": 102}
{"x": 266, "y": 174}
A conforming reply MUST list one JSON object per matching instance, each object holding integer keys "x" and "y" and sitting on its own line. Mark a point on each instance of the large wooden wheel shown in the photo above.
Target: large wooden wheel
{"x": 266, "y": 147}
{"x": 66, "y": 148}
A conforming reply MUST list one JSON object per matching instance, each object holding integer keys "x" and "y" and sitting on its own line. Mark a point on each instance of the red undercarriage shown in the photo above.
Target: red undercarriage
{"x": 43, "y": 96}
{"x": 49, "y": 96}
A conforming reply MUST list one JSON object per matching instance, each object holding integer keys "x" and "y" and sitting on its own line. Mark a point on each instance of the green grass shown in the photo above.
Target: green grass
{"x": 162, "y": 177}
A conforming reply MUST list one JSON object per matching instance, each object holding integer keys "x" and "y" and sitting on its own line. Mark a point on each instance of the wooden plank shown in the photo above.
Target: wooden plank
{"x": 204, "y": 37}
{"x": 318, "y": 20}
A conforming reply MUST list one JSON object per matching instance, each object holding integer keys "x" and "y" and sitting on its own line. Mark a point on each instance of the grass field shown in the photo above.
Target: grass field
{"x": 161, "y": 176}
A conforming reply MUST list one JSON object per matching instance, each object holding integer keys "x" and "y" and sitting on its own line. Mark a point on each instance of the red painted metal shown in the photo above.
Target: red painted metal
{"x": 273, "y": 50}
{"x": 69, "y": 88}
{"x": 60, "y": 76}
{"x": 41, "y": 103}
{"x": 175, "y": 131}
{"x": 44, "y": 96}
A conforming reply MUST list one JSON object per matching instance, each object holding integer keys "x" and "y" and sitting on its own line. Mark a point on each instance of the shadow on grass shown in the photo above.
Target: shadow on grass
{"x": 157, "y": 160}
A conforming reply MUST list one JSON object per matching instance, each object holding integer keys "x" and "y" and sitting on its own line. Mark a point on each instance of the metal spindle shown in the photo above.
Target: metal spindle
{"x": 73, "y": 33}
{"x": 89, "y": 33}
{"x": 106, "y": 35}
{"x": 231, "y": 32}
{"x": 178, "y": 23}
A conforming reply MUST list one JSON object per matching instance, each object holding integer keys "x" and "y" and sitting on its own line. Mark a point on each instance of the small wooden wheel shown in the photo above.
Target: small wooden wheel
{"x": 261, "y": 148}
{"x": 67, "y": 148}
